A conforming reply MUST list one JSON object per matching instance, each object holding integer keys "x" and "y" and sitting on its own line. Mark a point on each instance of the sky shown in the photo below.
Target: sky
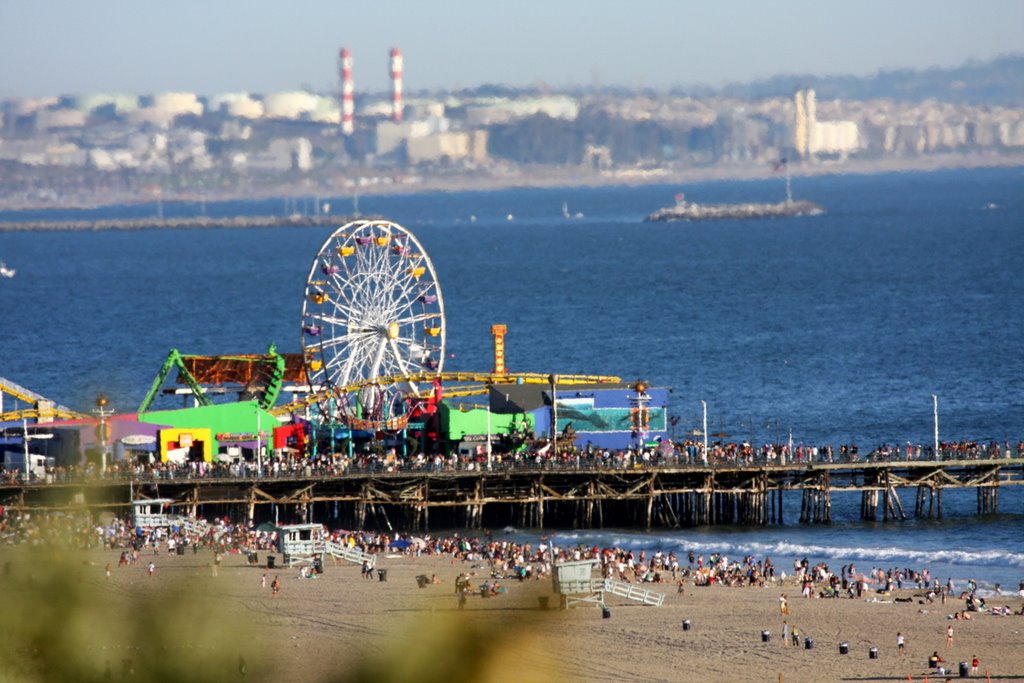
{"x": 55, "y": 47}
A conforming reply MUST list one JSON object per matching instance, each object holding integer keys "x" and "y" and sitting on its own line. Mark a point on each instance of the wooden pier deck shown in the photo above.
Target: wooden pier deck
{"x": 642, "y": 498}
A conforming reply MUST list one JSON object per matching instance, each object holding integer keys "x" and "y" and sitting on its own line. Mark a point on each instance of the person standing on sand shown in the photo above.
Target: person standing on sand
{"x": 275, "y": 587}
{"x": 949, "y": 636}
{"x": 783, "y": 605}
{"x": 785, "y": 633}
{"x": 901, "y": 643}
{"x": 263, "y": 581}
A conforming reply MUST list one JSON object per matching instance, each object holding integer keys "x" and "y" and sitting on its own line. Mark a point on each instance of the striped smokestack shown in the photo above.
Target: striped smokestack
{"x": 396, "y": 84}
{"x": 347, "y": 88}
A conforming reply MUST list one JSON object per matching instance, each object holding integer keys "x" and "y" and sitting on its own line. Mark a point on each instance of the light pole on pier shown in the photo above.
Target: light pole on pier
{"x": 935, "y": 415}
{"x": 704, "y": 455}
{"x": 103, "y": 412}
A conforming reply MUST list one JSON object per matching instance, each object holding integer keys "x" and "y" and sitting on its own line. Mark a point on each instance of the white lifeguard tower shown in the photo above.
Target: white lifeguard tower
{"x": 305, "y": 543}
{"x": 300, "y": 543}
{"x": 574, "y": 583}
{"x": 153, "y": 513}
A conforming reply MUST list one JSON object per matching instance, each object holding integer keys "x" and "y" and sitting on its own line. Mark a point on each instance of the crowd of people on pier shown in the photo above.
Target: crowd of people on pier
{"x": 666, "y": 454}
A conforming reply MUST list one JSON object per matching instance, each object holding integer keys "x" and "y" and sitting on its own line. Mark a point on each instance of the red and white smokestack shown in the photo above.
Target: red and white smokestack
{"x": 396, "y": 84}
{"x": 347, "y": 90}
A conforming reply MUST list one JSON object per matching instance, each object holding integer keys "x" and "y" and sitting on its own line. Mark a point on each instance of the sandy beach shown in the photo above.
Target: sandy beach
{"x": 342, "y": 627}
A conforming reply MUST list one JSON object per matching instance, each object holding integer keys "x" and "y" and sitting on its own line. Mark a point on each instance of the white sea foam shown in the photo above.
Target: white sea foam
{"x": 782, "y": 550}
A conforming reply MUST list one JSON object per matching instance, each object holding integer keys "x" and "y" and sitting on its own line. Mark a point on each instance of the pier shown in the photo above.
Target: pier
{"x": 670, "y": 497}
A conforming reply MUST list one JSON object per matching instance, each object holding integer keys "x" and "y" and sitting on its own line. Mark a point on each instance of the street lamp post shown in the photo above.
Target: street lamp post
{"x": 103, "y": 412}
{"x": 489, "y": 454}
{"x": 935, "y": 415}
{"x": 554, "y": 416}
{"x": 704, "y": 455}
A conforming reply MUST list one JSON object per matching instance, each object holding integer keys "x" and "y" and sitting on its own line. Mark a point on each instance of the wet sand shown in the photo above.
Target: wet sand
{"x": 328, "y": 627}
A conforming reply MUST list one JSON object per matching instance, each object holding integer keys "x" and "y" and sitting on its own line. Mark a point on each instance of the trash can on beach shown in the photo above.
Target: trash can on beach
{"x": 686, "y": 624}
{"x": 606, "y": 613}
{"x": 180, "y": 550}
{"x": 270, "y": 561}
{"x": 963, "y": 670}
{"x": 808, "y": 643}
{"x": 766, "y": 636}
{"x": 873, "y": 653}
{"x": 382, "y": 574}
{"x": 844, "y": 648}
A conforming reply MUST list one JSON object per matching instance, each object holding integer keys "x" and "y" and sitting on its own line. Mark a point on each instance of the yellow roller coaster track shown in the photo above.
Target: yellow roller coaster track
{"x": 41, "y": 408}
{"x": 42, "y": 415}
{"x": 477, "y": 384}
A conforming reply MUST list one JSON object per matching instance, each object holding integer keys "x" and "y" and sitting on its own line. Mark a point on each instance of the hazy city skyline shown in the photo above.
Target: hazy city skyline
{"x": 67, "y": 47}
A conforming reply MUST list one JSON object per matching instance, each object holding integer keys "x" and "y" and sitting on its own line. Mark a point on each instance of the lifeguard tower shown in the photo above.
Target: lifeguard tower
{"x": 307, "y": 543}
{"x": 574, "y": 583}
{"x": 301, "y": 543}
{"x": 153, "y": 513}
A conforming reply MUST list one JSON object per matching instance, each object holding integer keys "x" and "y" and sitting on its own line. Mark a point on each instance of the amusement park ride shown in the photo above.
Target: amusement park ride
{"x": 373, "y": 333}
{"x": 372, "y": 345}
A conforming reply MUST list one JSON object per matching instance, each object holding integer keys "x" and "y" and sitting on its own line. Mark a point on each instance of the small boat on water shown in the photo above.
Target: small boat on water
{"x": 5, "y": 271}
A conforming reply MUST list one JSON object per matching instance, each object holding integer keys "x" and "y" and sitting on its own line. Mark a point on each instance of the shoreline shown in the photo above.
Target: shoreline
{"x": 549, "y": 178}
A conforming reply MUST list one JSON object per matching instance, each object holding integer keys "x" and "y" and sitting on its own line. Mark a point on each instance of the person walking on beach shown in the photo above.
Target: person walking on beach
{"x": 151, "y": 569}
{"x": 275, "y": 587}
{"x": 263, "y": 581}
{"x": 949, "y": 636}
{"x": 975, "y": 663}
{"x": 901, "y": 643}
{"x": 796, "y": 637}
{"x": 783, "y": 605}
{"x": 785, "y": 633}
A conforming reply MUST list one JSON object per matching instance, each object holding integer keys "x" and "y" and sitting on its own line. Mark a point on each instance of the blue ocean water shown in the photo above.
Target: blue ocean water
{"x": 836, "y": 328}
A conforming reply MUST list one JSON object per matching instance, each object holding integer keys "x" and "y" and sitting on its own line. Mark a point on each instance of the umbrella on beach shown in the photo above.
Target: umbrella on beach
{"x": 400, "y": 544}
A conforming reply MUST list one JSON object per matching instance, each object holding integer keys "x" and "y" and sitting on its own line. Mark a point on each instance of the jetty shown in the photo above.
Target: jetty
{"x": 561, "y": 497}
{"x": 183, "y": 222}
{"x": 689, "y": 211}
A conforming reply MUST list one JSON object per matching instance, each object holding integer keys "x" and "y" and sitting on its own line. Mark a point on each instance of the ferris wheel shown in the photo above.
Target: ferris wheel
{"x": 372, "y": 316}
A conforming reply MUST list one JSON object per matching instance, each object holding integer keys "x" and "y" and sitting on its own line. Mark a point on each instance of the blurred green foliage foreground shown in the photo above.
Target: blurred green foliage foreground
{"x": 64, "y": 621}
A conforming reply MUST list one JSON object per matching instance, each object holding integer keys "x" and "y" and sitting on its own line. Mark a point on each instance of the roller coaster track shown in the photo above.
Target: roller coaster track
{"x": 474, "y": 384}
{"x": 41, "y": 407}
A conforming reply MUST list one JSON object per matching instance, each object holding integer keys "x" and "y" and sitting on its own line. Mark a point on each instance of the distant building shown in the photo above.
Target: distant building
{"x": 812, "y": 137}
{"x": 391, "y": 135}
{"x": 165, "y": 108}
{"x": 301, "y": 105}
{"x": 283, "y": 154}
{"x": 448, "y": 147}
{"x": 503, "y": 111}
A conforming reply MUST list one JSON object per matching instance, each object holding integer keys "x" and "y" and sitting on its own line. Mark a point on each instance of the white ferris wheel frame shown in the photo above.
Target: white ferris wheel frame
{"x": 372, "y": 308}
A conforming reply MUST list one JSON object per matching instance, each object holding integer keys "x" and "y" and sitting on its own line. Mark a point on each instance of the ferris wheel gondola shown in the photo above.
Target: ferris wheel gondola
{"x": 372, "y": 313}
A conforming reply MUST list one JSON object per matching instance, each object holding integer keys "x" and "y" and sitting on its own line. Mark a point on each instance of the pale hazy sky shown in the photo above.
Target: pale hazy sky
{"x": 50, "y": 47}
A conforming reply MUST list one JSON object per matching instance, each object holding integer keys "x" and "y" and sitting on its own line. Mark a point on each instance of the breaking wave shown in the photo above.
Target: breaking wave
{"x": 784, "y": 550}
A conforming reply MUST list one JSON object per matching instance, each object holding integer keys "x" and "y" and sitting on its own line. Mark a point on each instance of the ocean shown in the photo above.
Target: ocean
{"x": 833, "y": 329}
